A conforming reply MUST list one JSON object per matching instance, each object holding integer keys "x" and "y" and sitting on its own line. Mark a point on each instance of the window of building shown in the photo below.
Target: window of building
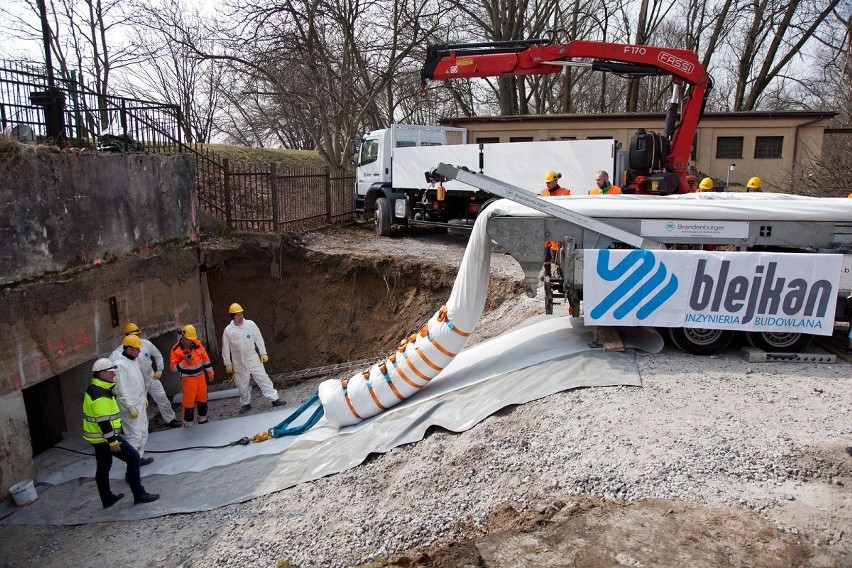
{"x": 431, "y": 144}
{"x": 599, "y": 138}
{"x": 520, "y": 138}
{"x": 729, "y": 147}
{"x": 487, "y": 139}
{"x": 768, "y": 146}
{"x": 406, "y": 143}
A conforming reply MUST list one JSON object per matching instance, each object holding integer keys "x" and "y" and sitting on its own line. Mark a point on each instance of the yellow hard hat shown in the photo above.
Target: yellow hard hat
{"x": 754, "y": 183}
{"x": 189, "y": 332}
{"x": 235, "y": 308}
{"x": 131, "y": 328}
{"x": 551, "y": 176}
{"x": 132, "y": 341}
{"x": 706, "y": 183}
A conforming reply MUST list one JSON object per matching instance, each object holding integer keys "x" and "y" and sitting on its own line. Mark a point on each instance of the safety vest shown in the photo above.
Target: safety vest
{"x": 194, "y": 363}
{"x": 101, "y": 422}
{"x": 557, "y": 191}
{"x": 611, "y": 190}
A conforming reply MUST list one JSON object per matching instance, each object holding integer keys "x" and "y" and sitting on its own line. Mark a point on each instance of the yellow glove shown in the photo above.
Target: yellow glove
{"x": 264, "y": 358}
{"x": 134, "y": 414}
{"x": 229, "y": 369}
{"x": 157, "y": 375}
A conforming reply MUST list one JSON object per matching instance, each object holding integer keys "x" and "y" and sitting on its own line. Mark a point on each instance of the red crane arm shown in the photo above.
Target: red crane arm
{"x": 536, "y": 57}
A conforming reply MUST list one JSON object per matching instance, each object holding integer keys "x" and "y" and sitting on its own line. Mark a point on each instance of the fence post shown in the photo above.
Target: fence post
{"x": 328, "y": 195}
{"x": 273, "y": 182}
{"x": 226, "y": 172}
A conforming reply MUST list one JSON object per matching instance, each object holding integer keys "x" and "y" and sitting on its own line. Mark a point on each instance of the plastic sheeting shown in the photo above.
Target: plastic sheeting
{"x": 539, "y": 358}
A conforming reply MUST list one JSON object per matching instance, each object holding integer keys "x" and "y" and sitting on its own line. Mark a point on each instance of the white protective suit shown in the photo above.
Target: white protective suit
{"x": 242, "y": 346}
{"x": 131, "y": 395}
{"x": 148, "y": 355}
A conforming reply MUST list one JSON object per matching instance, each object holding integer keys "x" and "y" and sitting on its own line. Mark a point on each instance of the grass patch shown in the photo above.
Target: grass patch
{"x": 281, "y": 157}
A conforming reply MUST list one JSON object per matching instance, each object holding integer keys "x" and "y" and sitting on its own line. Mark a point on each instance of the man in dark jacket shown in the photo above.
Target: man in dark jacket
{"x": 102, "y": 429}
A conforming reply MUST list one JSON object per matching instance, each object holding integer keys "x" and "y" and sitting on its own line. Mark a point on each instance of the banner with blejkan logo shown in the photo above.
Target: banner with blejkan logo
{"x": 749, "y": 291}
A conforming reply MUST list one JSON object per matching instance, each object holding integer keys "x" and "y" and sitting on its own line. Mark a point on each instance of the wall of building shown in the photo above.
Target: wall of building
{"x": 94, "y": 241}
{"x": 802, "y": 133}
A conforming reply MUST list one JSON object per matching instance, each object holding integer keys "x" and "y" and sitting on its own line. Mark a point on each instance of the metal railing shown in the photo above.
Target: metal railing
{"x": 245, "y": 197}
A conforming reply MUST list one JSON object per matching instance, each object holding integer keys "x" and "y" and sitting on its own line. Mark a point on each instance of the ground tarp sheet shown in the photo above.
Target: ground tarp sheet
{"x": 543, "y": 356}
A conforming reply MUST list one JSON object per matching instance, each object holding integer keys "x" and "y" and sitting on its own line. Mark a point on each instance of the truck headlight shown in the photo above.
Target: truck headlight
{"x": 399, "y": 208}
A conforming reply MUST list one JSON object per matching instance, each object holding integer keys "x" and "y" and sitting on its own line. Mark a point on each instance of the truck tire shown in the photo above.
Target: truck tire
{"x": 784, "y": 342}
{"x": 700, "y": 341}
{"x": 382, "y": 217}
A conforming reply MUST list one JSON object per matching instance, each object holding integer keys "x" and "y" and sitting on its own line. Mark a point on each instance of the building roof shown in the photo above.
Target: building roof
{"x": 605, "y": 117}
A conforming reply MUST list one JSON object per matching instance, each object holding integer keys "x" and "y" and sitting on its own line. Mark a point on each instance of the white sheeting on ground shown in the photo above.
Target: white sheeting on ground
{"x": 541, "y": 357}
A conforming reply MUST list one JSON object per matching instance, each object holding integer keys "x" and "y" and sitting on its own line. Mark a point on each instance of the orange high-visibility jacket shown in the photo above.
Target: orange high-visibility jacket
{"x": 557, "y": 191}
{"x": 190, "y": 362}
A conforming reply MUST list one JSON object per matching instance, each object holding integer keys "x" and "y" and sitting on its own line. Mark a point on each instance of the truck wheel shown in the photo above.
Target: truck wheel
{"x": 382, "y": 217}
{"x": 699, "y": 341}
{"x": 783, "y": 342}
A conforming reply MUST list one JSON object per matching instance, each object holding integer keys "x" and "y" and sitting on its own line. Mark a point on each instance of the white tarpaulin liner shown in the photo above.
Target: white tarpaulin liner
{"x": 544, "y": 356}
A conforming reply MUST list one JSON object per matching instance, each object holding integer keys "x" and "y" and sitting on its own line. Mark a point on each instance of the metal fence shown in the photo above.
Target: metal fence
{"x": 245, "y": 197}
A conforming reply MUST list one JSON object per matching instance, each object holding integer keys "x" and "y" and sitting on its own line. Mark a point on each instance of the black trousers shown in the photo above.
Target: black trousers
{"x": 127, "y": 454}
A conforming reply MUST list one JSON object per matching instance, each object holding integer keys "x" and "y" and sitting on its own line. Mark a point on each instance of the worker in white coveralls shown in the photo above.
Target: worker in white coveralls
{"x": 244, "y": 353}
{"x": 150, "y": 362}
{"x": 132, "y": 397}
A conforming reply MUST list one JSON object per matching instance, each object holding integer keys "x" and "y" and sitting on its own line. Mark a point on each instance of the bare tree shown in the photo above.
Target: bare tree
{"x": 769, "y": 35}
{"x": 172, "y": 72}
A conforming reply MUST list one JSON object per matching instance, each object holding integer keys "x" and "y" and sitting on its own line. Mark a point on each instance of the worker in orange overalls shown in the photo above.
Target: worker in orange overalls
{"x": 603, "y": 186}
{"x": 189, "y": 358}
{"x": 552, "y": 189}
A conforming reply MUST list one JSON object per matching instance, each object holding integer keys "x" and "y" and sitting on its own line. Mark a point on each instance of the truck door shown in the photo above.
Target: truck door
{"x": 369, "y": 165}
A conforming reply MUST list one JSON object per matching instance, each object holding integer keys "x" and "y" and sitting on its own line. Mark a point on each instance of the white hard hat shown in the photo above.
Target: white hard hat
{"x": 103, "y": 364}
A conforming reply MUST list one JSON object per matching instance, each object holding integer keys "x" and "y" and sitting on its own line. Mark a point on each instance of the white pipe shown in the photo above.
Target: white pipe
{"x": 212, "y": 395}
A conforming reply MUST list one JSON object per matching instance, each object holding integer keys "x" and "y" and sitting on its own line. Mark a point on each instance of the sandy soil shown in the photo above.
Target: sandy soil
{"x": 714, "y": 462}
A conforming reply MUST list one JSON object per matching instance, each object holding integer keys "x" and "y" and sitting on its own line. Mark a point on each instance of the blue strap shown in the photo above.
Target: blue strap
{"x": 282, "y": 428}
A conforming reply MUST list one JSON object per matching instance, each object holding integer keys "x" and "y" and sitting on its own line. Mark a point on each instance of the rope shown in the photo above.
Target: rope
{"x": 282, "y": 428}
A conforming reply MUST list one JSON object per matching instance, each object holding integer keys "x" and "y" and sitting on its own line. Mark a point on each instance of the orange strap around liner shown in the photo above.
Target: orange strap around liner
{"x": 375, "y": 398}
{"x": 416, "y": 372}
{"x": 407, "y": 380}
{"x": 427, "y": 361}
{"x": 443, "y": 317}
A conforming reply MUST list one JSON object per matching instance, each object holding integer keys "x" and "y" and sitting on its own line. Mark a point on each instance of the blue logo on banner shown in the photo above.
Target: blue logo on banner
{"x": 643, "y": 297}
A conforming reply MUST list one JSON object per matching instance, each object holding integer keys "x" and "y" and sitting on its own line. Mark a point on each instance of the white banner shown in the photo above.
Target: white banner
{"x": 749, "y": 291}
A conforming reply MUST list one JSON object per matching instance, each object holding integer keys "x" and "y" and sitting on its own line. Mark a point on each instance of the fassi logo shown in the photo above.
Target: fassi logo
{"x": 648, "y": 284}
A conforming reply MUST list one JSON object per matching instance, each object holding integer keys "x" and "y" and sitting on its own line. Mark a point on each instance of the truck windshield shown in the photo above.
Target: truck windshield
{"x": 369, "y": 152}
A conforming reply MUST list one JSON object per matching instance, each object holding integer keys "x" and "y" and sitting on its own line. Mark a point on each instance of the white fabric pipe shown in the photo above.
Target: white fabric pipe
{"x": 423, "y": 355}
{"x": 211, "y": 395}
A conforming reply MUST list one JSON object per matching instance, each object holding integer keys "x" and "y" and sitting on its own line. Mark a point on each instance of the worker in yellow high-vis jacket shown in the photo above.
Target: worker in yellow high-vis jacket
{"x": 102, "y": 429}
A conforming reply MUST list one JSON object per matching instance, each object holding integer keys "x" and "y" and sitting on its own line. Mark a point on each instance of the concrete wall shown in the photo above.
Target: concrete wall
{"x": 89, "y": 243}
{"x": 62, "y": 210}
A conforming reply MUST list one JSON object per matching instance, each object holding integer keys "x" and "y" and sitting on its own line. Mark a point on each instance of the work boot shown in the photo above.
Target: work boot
{"x": 205, "y": 421}
{"x": 145, "y": 498}
{"x": 175, "y": 423}
{"x": 278, "y": 402}
{"x": 115, "y": 498}
{"x": 245, "y": 408}
{"x": 145, "y": 461}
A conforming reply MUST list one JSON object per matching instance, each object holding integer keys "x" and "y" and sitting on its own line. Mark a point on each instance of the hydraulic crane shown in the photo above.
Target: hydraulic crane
{"x": 657, "y": 163}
